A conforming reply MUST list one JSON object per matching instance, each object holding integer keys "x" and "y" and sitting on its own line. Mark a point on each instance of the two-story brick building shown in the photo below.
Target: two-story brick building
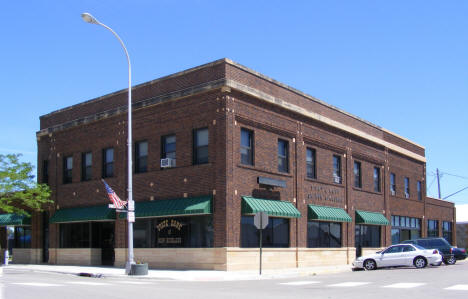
{"x": 235, "y": 142}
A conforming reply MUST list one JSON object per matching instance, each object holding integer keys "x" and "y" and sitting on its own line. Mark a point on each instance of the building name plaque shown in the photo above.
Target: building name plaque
{"x": 324, "y": 193}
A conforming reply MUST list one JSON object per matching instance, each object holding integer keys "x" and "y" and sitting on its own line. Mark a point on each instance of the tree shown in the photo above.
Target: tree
{"x": 19, "y": 192}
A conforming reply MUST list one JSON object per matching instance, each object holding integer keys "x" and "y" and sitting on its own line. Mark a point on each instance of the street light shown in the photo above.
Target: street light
{"x": 88, "y": 18}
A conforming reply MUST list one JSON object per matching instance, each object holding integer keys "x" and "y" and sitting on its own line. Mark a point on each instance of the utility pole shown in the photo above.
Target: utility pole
{"x": 438, "y": 182}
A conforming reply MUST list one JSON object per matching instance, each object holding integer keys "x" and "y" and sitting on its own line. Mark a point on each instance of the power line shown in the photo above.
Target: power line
{"x": 454, "y": 175}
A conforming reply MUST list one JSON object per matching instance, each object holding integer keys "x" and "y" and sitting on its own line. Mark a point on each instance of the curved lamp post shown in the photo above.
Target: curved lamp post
{"x": 88, "y": 18}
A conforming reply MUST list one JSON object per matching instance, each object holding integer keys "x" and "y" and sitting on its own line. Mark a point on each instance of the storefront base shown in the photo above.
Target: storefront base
{"x": 75, "y": 256}
{"x": 234, "y": 259}
{"x": 27, "y": 255}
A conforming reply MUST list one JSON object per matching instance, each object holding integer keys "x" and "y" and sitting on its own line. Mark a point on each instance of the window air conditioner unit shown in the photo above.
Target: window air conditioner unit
{"x": 392, "y": 192}
{"x": 406, "y": 195}
{"x": 337, "y": 179}
{"x": 168, "y": 163}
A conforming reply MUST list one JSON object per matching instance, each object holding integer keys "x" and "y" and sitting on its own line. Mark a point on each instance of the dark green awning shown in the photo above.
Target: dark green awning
{"x": 83, "y": 214}
{"x": 251, "y": 205}
{"x": 364, "y": 217}
{"x": 14, "y": 220}
{"x": 328, "y": 214}
{"x": 173, "y": 207}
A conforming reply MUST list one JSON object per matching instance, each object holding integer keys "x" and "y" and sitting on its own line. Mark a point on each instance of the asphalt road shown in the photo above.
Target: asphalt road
{"x": 396, "y": 283}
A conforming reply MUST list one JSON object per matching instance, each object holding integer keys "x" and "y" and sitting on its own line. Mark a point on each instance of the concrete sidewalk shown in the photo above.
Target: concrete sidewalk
{"x": 183, "y": 275}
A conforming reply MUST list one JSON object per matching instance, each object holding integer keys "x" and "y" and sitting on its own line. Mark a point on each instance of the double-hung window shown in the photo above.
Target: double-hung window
{"x": 67, "y": 169}
{"x": 283, "y": 156}
{"x": 337, "y": 169}
{"x": 107, "y": 162}
{"x": 200, "y": 146}
{"x": 407, "y": 187}
{"x": 357, "y": 175}
{"x": 377, "y": 179}
{"x": 246, "y": 147}
{"x": 141, "y": 156}
{"x": 392, "y": 184}
{"x": 86, "y": 166}
{"x": 311, "y": 163}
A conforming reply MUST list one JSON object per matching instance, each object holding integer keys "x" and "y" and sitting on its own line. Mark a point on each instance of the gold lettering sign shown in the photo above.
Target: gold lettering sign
{"x": 166, "y": 223}
{"x": 324, "y": 193}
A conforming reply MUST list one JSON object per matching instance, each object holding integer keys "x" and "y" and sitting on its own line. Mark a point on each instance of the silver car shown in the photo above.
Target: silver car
{"x": 399, "y": 255}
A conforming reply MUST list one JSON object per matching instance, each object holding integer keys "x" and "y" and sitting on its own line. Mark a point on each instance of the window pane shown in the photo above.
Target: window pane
{"x": 202, "y": 137}
{"x": 246, "y": 147}
{"x": 283, "y": 158}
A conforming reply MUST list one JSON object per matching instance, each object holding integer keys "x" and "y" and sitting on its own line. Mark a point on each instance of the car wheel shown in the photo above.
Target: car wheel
{"x": 370, "y": 265}
{"x": 419, "y": 262}
{"x": 451, "y": 261}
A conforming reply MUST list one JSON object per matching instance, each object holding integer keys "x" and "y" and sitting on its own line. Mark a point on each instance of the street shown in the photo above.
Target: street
{"x": 431, "y": 282}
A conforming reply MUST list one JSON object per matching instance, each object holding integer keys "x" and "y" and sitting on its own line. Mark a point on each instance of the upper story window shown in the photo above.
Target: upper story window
{"x": 392, "y": 184}
{"x": 168, "y": 146}
{"x": 419, "y": 186}
{"x": 107, "y": 162}
{"x": 141, "y": 156}
{"x": 377, "y": 179}
{"x": 283, "y": 156}
{"x": 45, "y": 171}
{"x": 407, "y": 187}
{"x": 337, "y": 169}
{"x": 200, "y": 146}
{"x": 246, "y": 147}
{"x": 311, "y": 163}
{"x": 86, "y": 166}
{"x": 357, "y": 175}
{"x": 67, "y": 169}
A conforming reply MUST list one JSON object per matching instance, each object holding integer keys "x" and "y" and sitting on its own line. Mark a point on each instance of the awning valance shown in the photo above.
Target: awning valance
{"x": 251, "y": 205}
{"x": 365, "y": 217}
{"x": 328, "y": 214}
{"x": 83, "y": 214}
{"x": 173, "y": 207}
{"x": 14, "y": 220}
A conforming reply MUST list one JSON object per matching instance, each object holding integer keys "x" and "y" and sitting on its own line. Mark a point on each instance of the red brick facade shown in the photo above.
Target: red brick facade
{"x": 225, "y": 97}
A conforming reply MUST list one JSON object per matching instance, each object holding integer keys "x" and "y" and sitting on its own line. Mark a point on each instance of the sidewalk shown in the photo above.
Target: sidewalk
{"x": 183, "y": 275}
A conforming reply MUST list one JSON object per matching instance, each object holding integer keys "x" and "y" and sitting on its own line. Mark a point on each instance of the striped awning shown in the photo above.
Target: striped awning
{"x": 173, "y": 207}
{"x": 83, "y": 214}
{"x": 325, "y": 213}
{"x": 365, "y": 217}
{"x": 251, "y": 205}
{"x": 14, "y": 220}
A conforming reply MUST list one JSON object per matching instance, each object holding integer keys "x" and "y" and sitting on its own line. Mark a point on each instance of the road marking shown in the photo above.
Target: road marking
{"x": 133, "y": 282}
{"x": 405, "y": 285}
{"x": 349, "y": 284}
{"x": 299, "y": 283}
{"x": 458, "y": 287}
{"x": 88, "y": 283}
{"x": 38, "y": 284}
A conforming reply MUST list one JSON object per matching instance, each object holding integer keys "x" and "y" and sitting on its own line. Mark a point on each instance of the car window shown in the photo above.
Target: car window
{"x": 408, "y": 249}
{"x": 419, "y": 247}
{"x": 424, "y": 243}
{"x": 436, "y": 243}
{"x": 393, "y": 249}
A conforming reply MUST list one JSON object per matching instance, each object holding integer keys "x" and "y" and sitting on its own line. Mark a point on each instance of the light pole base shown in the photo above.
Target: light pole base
{"x": 128, "y": 267}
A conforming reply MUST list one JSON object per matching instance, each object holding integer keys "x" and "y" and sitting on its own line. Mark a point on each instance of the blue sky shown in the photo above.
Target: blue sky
{"x": 399, "y": 64}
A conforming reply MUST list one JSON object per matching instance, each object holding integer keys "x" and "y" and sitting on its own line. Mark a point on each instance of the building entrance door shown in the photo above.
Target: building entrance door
{"x": 107, "y": 243}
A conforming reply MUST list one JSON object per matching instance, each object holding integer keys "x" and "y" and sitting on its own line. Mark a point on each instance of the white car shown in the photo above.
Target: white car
{"x": 400, "y": 255}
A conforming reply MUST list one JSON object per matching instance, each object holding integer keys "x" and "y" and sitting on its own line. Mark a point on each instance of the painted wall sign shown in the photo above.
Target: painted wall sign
{"x": 324, "y": 193}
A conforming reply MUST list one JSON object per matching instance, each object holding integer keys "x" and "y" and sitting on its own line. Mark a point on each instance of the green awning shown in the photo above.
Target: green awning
{"x": 328, "y": 214}
{"x": 96, "y": 213}
{"x": 173, "y": 207}
{"x": 14, "y": 220}
{"x": 364, "y": 217}
{"x": 251, "y": 205}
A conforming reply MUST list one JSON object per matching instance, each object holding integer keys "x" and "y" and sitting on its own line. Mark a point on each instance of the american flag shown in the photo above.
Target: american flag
{"x": 118, "y": 203}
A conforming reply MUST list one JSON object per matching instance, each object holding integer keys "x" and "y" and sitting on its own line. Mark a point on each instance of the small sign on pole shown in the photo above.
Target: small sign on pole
{"x": 111, "y": 206}
{"x": 131, "y": 216}
{"x": 260, "y": 222}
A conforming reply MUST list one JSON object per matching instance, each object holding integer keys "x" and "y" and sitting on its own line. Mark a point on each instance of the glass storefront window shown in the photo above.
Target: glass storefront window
{"x": 447, "y": 231}
{"x": 405, "y": 228}
{"x": 276, "y": 234}
{"x": 22, "y": 237}
{"x": 173, "y": 232}
{"x": 74, "y": 235}
{"x": 323, "y": 234}
{"x": 367, "y": 236}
